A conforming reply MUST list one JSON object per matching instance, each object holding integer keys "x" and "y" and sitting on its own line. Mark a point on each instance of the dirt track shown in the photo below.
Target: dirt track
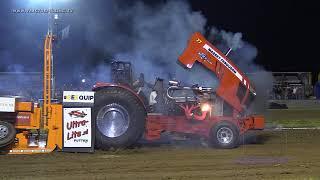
{"x": 278, "y": 155}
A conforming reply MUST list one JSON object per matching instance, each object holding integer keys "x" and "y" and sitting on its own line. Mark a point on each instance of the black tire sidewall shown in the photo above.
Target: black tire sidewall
{"x": 10, "y": 136}
{"x": 213, "y": 135}
{"x": 136, "y": 124}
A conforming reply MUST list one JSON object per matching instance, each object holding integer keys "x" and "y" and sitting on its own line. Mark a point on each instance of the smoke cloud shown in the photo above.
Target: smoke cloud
{"x": 151, "y": 38}
{"x": 149, "y": 35}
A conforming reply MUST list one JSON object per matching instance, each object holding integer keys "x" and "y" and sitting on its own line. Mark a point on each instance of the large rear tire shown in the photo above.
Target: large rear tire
{"x": 224, "y": 135}
{"x": 120, "y": 118}
{"x": 7, "y": 133}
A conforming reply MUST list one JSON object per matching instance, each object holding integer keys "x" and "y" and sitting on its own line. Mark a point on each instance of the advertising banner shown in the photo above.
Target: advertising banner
{"x": 7, "y": 104}
{"x": 77, "y": 127}
{"x": 86, "y": 97}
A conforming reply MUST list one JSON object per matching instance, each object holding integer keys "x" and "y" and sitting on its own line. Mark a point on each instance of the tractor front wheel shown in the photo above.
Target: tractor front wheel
{"x": 224, "y": 135}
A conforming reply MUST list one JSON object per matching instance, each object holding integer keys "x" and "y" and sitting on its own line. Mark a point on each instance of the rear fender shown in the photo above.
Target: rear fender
{"x": 99, "y": 86}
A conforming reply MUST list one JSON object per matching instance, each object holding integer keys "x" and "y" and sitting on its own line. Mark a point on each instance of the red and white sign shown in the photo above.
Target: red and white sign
{"x": 23, "y": 119}
{"x": 77, "y": 127}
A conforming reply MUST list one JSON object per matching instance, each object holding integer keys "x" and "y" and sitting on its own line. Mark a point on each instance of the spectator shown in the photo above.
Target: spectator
{"x": 294, "y": 92}
{"x": 317, "y": 90}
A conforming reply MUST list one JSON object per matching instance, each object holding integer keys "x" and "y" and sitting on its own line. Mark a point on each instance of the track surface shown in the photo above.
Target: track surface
{"x": 293, "y": 154}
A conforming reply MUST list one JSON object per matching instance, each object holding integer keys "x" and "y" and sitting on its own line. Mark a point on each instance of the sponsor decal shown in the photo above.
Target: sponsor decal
{"x": 223, "y": 61}
{"x": 78, "y": 114}
{"x": 204, "y": 57}
{"x": 17, "y": 151}
{"x": 78, "y": 96}
{"x": 23, "y": 119}
{"x": 77, "y": 127}
{"x": 199, "y": 41}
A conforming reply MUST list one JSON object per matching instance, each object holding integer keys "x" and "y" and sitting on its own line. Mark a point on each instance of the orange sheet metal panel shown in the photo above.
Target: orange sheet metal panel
{"x": 258, "y": 122}
{"x": 55, "y": 127}
{"x": 21, "y": 147}
{"x": 24, "y": 106}
{"x": 28, "y": 120}
{"x": 230, "y": 77}
{"x": 22, "y": 141}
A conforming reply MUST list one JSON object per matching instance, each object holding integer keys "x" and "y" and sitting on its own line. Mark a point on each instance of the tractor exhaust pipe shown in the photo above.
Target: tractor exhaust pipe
{"x": 230, "y": 49}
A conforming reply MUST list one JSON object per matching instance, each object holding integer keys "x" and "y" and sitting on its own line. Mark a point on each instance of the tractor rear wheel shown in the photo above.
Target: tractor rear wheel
{"x": 7, "y": 133}
{"x": 120, "y": 118}
{"x": 224, "y": 135}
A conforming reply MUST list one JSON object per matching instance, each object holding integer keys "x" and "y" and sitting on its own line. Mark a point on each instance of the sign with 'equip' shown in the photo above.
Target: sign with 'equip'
{"x": 78, "y": 97}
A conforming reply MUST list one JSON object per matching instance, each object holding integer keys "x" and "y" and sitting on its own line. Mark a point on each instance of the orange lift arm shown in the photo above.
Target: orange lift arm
{"x": 47, "y": 79}
{"x": 234, "y": 88}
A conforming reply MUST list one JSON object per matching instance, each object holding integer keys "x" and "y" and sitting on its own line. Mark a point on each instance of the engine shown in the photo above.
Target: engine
{"x": 195, "y": 93}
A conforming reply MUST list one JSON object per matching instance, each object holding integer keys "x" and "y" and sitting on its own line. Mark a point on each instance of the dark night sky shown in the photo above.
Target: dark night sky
{"x": 284, "y": 31}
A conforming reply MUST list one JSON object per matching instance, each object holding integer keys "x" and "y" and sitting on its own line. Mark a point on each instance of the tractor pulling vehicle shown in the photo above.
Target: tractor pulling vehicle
{"x": 122, "y": 114}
